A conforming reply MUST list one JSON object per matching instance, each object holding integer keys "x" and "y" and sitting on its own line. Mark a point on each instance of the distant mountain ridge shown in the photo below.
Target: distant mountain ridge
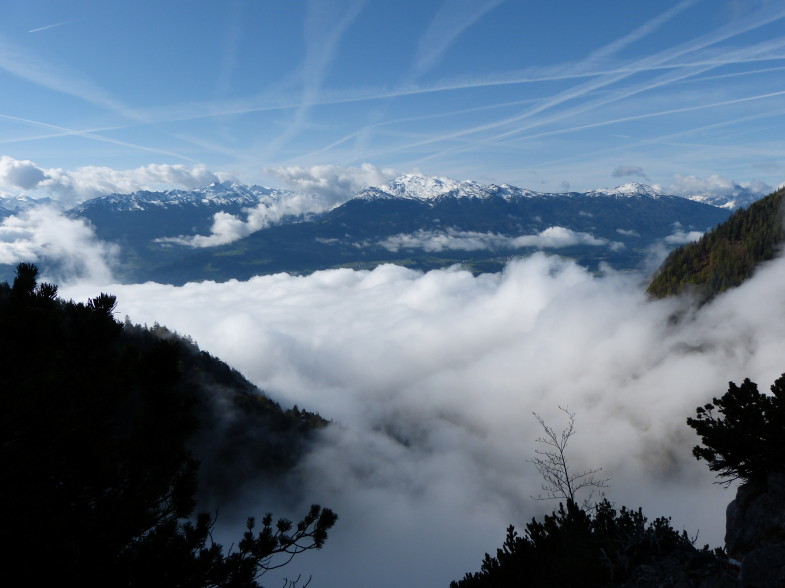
{"x": 733, "y": 198}
{"x": 418, "y": 221}
{"x": 16, "y": 204}
{"x": 629, "y": 190}
{"x": 425, "y": 222}
{"x": 426, "y": 188}
{"x": 217, "y": 194}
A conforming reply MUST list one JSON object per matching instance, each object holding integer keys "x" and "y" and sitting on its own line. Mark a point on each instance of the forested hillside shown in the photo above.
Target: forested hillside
{"x": 102, "y": 428}
{"x": 726, "y": 256}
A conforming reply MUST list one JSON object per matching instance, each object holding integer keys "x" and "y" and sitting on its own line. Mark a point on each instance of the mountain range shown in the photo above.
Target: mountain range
{"x": 228, "y": 230}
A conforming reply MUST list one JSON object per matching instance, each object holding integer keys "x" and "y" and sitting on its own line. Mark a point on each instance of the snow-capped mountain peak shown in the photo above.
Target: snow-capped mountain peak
{"x": 427, "y": 187}
{"x": 430, "y": 188}
{"x": 217, "y": 194}
{"x": 631, "y": 189}
{"x": 15, "y": 204}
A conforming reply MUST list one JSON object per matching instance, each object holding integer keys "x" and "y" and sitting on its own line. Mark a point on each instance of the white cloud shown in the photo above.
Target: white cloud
{"x": 20, "y": 174}
{"x": 431, "y": 380}
{"x": 334, "y": 182}
{"x": 629, "y": 170}
{"x": 681, "y": 237}
{"x": 88, "y": 182}
{"x": 659, "y": 250}
{"x": 714, "y": 185}
{"x": 628, "y": 232}
{"x": 43, "y": 235}
{"x": 451, "y": 239}
{"x": 228, "y": 227}
{"x": 561, "y": 237}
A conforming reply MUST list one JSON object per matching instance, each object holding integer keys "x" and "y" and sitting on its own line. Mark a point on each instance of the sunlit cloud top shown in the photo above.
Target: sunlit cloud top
{"x": 538, "y": 95}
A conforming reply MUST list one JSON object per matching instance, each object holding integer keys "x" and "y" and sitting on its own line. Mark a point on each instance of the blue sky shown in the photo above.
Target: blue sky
{"x": 113, "y": 96}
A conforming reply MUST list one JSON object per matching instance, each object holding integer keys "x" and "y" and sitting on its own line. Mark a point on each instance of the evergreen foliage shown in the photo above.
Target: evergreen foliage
{"x": 575, "y": 547}
{"x": 745, "y": 438}
{"x": 99, "y": 484}
{"x": 592, "y": 544}
{"x": 243, "y": 435}
{"x": 726, "y": 256}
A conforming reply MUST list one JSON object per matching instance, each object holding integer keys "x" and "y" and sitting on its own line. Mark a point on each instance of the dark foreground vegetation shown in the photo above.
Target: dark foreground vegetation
{"x": 98, "y": 426}
{"x": 743, "y": 438}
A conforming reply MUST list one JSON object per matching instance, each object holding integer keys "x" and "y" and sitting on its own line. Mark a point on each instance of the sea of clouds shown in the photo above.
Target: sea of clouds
{"x": 431, "y": 380}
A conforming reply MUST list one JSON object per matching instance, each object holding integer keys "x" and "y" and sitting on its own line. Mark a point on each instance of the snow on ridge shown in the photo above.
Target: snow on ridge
{"x": 731, "y": 202}
{"x": 16, "y": 204}
{"x": 214, "y": 194}
{"x": 631, "y": 189}
{"x": 428, "y": 188}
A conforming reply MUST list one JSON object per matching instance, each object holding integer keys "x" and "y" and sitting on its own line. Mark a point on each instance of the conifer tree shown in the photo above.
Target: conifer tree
{"x": 98, "y": 483}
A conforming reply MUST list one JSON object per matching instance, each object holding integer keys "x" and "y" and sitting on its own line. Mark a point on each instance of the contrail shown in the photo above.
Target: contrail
{"x": 90, "y": 135}
{"x": 52, "y": 26}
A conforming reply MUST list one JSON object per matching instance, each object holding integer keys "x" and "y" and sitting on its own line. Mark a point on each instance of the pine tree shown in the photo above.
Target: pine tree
{"x": 98, "y": 483}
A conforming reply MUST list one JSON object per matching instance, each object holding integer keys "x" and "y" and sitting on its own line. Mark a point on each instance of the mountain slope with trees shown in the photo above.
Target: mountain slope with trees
{"x": 100, "y": 470}
{"x": 726, "y": 256}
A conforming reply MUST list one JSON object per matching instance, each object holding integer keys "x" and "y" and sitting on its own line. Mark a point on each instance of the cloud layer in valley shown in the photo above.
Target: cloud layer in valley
{"x": 45, "y": 236}
{"x": 228, "y": 227}
{"x": 315, "y": 189}
{"x": 434, "y": 241}
{"x": 431, "y": 380}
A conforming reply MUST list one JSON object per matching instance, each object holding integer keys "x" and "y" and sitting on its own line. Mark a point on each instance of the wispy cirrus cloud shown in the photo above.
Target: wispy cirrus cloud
{"x": 663, "y": 59}
{"x": 325, "y": 25}
{"x": 59, "y": 78}
{"x": 53, "y": 26}
{"x": 28, "y": 66}
{"x": 450, "y": 21}
{"x": 92, "y": 134}
{"x": 601, "y": 68}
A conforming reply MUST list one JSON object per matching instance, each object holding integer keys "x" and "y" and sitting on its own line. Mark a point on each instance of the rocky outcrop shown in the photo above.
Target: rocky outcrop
{"x": 755, "y": 532}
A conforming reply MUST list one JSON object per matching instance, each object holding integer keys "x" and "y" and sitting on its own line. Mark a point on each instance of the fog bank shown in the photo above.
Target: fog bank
{"x": 431, "y": 380}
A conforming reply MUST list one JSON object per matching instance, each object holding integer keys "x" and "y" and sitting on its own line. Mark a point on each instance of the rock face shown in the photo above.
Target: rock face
{"x": 755, "y": 532}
